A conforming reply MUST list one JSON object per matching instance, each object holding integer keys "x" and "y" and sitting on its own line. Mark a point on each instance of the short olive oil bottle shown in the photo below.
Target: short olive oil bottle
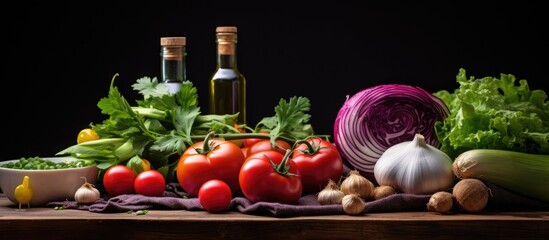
{"x": 227, "y": 85}
{"x": 172, "y": 60}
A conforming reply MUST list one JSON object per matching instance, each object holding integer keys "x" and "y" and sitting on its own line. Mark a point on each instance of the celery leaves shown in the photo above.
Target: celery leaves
{"x": 150, "y": 87}
{"x": 162, "y": 125}
{"x": 291, "y": 120}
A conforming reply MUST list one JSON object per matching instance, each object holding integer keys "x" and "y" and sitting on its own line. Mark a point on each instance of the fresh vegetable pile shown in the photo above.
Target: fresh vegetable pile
{"x": 394, "y": 138}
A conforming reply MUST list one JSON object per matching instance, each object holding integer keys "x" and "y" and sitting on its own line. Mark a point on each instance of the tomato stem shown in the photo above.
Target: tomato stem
{"x": 233, "y": 136}
{"x": 207, "y": 146}
{"x": 312, "y": 147}
{"x": 284, "y": 168}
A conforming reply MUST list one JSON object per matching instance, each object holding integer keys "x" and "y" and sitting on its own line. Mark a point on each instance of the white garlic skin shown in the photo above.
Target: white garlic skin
{"x": 414, "y": 167}
{"x": 87, "y": 193}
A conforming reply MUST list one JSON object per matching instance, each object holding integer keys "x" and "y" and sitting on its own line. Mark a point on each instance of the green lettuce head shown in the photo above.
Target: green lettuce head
{"x": 494, "y": 113}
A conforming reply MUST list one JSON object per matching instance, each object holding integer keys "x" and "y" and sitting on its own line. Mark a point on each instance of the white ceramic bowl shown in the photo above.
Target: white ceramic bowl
{"x": 47, "y": 185}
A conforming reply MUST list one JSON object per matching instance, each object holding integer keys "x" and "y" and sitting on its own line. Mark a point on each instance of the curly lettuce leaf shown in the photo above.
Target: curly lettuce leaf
{"x": 494, "y": 113}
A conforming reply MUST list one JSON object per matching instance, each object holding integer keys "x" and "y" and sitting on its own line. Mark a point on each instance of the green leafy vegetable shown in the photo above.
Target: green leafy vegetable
{"x": 162, "y": 125}
{"x": 290, "y": 120}
{"x": 494, "y": 113}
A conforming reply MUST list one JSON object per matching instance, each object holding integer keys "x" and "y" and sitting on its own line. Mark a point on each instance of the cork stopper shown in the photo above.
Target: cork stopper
{"x": 173, "y": 41}
{"x": 226, "y": 29}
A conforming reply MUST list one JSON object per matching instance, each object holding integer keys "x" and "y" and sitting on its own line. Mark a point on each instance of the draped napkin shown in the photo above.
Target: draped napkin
{"x": 174, "y": 198}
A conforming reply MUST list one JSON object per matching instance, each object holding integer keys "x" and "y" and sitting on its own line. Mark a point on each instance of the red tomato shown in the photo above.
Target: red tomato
{"x": 244, "y": 151}
{"x": 317, "y": 163}
{"x": 118, "y": 180}
{"x": 221, "y": 160}
{"x": 215, "y": 195}
{"x": 265, "y": 144}
{"x": 248, "y": 142}
{"x": 260, "y": 180}
{"x": 150, "y": 183}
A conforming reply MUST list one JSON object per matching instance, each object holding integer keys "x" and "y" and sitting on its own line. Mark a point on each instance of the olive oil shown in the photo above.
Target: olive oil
{"x": 227, "y": 85}
{"x": 173, "y": 70}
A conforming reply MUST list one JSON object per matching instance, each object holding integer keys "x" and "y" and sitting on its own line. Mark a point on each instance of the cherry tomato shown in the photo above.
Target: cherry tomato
{"x": 215, "y": 195}
{"x": 247, "y": 142}
{"x": 271, "y": 177}
{"x": 85, "y": 135}
{"x": 265, "y": 144}
{"x": 149, "y": 183}
{"x": 118, "y": 180}
{"x": 317, "y": 162}
{"x": 218, "y": 159}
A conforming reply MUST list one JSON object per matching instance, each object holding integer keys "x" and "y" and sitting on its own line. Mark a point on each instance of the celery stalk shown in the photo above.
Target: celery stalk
{"x": 523, "y": 173}
{"x": 150, "y": 112}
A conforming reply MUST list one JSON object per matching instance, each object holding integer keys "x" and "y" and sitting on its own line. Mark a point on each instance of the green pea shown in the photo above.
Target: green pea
{"x": 37, "y": 163}
{"x": 28, "y": 166}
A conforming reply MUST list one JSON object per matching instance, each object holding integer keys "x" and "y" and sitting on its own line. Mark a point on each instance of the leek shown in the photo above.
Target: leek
{"x": 526, "y": 174}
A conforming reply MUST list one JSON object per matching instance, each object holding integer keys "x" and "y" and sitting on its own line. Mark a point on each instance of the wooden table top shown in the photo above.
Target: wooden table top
{"x": 48, "y": 223}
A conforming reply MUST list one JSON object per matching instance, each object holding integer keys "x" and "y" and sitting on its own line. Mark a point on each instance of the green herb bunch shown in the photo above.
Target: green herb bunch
{"x": 162, "y": 125}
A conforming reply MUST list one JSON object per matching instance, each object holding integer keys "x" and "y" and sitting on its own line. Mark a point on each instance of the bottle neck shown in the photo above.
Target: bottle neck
{"x": 226, "y": 61}
{"x": 226, "y": 50}
{"x": 173, "y": 67}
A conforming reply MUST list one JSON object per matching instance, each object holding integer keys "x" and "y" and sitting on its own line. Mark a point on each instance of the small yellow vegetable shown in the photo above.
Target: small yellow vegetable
{"x": 86, "y": 135}
{"x": 23, "y": 193}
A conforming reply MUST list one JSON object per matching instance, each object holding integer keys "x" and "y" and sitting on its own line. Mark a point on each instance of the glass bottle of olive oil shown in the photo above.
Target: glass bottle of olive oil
{"x": 173, "y": 69}
{"x": 227, "y": 85}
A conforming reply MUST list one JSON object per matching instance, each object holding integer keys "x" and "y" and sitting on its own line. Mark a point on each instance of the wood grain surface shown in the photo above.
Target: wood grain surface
{"x": 48, "y": 223}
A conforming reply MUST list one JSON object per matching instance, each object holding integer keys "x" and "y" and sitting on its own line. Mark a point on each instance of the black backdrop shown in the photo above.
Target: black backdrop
{"x": 62, "y": 57}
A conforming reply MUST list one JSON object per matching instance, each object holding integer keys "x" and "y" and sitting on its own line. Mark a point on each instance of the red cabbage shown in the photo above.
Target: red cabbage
{"x": 379, "y": 117}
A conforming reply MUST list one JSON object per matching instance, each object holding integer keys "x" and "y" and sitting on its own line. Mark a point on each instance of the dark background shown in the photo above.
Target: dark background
{"x": 61, "y": 58}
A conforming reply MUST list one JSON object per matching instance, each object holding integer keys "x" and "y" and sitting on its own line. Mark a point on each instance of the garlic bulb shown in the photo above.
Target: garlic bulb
{"x": 353, "y": 204}
{"x": 87, "y": 193}
{"x": 383, "y": 191}
{"x": 330, "y": 194}
{"x": 414, "y": 167}
{"x": 356, "y": 183}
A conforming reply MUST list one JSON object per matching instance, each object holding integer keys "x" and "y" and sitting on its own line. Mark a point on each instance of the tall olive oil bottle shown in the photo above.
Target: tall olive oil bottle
{"x": 227, "y": 85}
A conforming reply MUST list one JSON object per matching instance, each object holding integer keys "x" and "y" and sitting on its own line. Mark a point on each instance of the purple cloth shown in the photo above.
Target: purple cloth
{"x": 174, "y": 198}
